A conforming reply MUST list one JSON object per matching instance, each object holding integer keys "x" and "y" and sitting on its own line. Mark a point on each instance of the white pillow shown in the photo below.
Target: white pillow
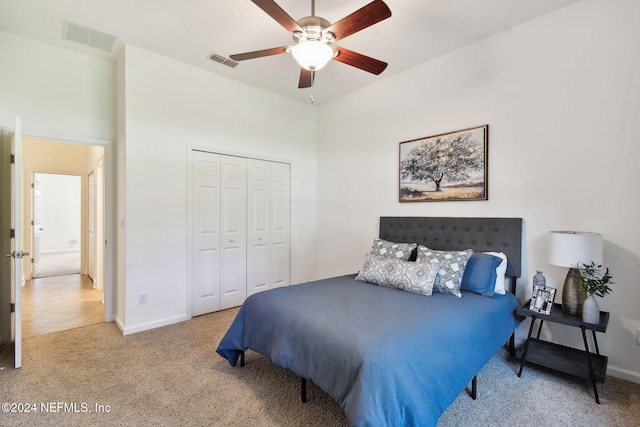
{"x": 501, "y": 271}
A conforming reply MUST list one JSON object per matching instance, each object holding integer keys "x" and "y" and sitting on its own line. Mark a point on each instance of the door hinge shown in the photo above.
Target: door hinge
{"x": 13, "y": 233}
{"x": 13, "y": 307}
{"x": 33, "y": 261}
{"x": 13, "y": 158}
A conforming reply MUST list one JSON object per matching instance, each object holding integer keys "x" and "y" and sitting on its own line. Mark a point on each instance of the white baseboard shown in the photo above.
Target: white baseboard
{"x": 60, "y": 251}
{"x": 624, "y": 374}
{"x": 119, "y": 324}
{"x": 152, "y": 325}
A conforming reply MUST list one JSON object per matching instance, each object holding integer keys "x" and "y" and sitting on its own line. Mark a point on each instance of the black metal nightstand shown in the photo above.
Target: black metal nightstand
{"x": 581, "y": 363}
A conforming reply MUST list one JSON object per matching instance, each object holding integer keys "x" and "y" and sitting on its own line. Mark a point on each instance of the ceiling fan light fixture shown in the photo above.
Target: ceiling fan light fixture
{"x": 312, "y": 55}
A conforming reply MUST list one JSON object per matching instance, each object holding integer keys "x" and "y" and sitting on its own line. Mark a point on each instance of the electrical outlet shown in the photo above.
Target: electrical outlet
{"x": 142, "y": 298}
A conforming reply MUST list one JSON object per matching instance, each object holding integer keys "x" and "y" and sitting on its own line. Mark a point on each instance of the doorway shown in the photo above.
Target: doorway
{"x": 56, "y": 221}
{"x": 65, "y": 210}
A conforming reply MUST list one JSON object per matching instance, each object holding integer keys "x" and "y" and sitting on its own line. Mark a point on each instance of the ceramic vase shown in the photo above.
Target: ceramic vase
{"x": 539, "y": 279}
{"x": 590, "y": 310}
{"x": 573, "y": 293}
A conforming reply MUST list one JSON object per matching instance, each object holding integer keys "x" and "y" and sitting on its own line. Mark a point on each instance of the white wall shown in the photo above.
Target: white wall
{"x": 560, "y": 95}
{"x": 169, "y": 106}
{"x": 59, "y": 94}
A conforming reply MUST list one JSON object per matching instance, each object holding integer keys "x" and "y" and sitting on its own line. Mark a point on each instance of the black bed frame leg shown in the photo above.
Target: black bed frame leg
{"x": 474, "y": 387}
{"x": 303, "y": 390}
{"x": 242, "y": 359}
{"x": 512, "y": 344}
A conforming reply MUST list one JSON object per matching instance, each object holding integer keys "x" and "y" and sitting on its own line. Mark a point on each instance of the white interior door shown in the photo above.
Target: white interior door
{"x": 280, "y": 224}
{"x": 91, "y": 253}
{"x": 205, "y": 218}
{"x": 258, "y": 226}
{"x": 37, "y": 225}
{"x": 233, "y": 243}
{"x": 6, "y": 267}
{"x": 240, "y": 221}
{"x": 99, "y": 228}
{"x": 17, "y": 253}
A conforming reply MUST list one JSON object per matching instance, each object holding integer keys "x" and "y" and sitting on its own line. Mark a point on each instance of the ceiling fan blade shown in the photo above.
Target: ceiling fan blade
{"x": 370, "y": 14}
{"x": 360, "y": 61}
{"x": 306, "y": 78}
{"x": 272, "y": 9}
{"x": 259, "y": 53}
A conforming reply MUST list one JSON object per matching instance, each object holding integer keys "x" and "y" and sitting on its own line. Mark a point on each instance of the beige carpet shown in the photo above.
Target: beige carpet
{"x": 171, "y": 376}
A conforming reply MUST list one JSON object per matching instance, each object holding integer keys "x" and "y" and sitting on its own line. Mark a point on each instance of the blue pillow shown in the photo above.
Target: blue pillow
{"x": 480, "y": 274}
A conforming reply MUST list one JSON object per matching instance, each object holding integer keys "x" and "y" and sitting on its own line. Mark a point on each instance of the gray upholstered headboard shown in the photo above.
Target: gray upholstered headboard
{"x": 448, "y": 233}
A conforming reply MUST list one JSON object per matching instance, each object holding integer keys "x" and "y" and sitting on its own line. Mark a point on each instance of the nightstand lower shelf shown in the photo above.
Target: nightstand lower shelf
{"x": 565, "y": 359}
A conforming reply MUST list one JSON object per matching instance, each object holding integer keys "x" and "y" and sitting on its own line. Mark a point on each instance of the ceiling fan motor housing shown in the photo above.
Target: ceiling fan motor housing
{"x": 313, "y": 27}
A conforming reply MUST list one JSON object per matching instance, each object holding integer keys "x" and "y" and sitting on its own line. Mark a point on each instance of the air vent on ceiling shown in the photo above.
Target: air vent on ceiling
{"x": 87, "y": 36}
{"x": 222, "y": 60}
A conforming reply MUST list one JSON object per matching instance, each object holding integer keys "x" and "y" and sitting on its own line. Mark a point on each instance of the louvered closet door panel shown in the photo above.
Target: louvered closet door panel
{"x": 205, "y": 289}
{"x": 258, "y": 225}
{"x": 234, "y": 231}
{"x": 280, "y": 224}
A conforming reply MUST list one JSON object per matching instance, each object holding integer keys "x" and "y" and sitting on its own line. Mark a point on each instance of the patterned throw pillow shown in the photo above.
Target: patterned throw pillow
{"x": 385, "y": 249}
{"x": 404, "y": 275}
{"x": 449, "y": 268}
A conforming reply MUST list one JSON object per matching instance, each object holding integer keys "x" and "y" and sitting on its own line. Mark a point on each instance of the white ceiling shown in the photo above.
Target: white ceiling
{"x": 190, "y": 30}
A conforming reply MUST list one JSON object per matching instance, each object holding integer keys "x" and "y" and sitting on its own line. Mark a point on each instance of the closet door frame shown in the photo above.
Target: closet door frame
{"x": 282, "y": 279}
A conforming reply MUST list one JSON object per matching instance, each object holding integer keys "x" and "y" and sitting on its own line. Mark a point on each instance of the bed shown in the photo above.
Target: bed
{"x": 388, "y": 356}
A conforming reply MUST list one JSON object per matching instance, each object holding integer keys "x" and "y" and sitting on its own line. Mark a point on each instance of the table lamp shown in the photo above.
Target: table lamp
{"x": 572, "y": 249}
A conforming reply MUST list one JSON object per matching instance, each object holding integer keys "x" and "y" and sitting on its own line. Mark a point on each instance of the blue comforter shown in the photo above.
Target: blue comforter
{"x": 388, "y": 357}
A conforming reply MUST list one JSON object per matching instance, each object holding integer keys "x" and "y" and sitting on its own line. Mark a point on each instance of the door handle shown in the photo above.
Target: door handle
{"x": 17, "y": 255}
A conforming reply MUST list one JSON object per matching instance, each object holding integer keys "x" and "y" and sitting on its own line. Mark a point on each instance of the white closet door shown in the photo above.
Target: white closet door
{"x": 205, "y": 255}
{"x": 233, "y": 276}
{"x": 280, "y": 225}
{"x": 258, "y": 226}
{"x": 240, "y": 229}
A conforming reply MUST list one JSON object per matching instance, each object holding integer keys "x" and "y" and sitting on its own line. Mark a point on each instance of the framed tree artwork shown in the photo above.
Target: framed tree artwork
{"x": 446, "y": 167}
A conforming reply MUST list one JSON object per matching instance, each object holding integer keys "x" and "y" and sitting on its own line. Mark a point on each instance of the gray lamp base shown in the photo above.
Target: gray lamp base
{"x": 573, "y": 294}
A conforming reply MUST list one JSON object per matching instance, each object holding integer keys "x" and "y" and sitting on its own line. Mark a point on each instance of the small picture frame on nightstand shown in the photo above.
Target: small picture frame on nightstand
{"x": 542, "y": 299}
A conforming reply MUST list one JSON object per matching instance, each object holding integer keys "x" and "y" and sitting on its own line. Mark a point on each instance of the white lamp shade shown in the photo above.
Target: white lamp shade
{"x": 312, "y": 54}
{"x": 574, "y": 248}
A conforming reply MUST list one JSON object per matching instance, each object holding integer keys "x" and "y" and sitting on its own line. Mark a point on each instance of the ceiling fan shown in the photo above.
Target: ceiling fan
{"x": 314, "y": 36}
